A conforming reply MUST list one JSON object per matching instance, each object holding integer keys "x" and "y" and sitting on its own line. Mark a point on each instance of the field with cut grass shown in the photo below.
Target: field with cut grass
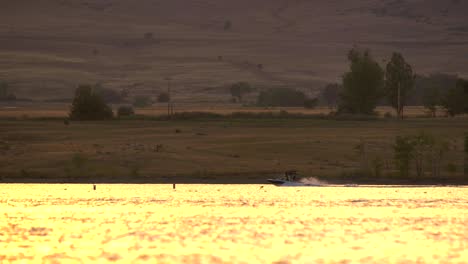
{"x": 26, "y": 110}
{"x": 213, "y": 150}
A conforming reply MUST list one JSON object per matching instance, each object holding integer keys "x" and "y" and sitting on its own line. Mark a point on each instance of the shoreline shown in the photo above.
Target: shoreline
{"x": 238, "y": 180}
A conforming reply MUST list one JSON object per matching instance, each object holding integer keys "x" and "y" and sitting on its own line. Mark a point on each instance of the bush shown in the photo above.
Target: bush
{"x": 89, "y": 105}
{"x": 164, "y": 97}
{"x": 125, "y": 111}
{"x": 311, "y": 103}
{"x": 142, "y": 101}
{"x": 281, "y": 97}
{"x": 227, "y": 25}
{"x": 148, "y": 35}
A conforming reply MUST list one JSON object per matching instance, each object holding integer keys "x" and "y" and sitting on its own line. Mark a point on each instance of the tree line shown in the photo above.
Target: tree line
{"x": 363, "y": 87}
{"x": 367, "y": 85}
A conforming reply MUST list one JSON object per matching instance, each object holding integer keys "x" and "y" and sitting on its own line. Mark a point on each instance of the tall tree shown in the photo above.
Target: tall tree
{"x": 89, "y": 105}
{"x": 362, "y": 85}
{"x": 398, "y": 82}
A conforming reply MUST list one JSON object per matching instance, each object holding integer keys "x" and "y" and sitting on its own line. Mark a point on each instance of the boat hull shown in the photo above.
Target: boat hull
{"x": 283, "y": 183}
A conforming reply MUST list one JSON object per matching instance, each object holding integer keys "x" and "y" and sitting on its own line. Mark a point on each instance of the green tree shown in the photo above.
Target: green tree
{"x": 238, "y": 90}
{"x": 431, "y": 99}
{"x": 455, "y": 100}
{"x": 362, "y": 85}
{"x": 398, "y": 82}
{"x": 89, "y": 105}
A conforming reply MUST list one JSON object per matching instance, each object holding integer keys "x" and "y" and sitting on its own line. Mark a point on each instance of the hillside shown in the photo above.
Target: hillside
{"x": 47, "y": 47}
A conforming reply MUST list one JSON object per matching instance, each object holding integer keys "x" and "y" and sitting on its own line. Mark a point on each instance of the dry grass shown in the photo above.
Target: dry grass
{"x": 50, "y": 47}
{"x": 48, "y": 110}
{"x": 229, "y": 150}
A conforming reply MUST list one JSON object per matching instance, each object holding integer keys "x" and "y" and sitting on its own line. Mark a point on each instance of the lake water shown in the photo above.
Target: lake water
{"x": 232, "y": 223}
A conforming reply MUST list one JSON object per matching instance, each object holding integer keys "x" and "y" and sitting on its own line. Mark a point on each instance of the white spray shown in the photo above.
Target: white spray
{"x": 313, "y": 181}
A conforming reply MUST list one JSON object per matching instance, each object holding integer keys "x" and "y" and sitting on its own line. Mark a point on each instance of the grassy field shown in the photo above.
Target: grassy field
{"x": 222, "y": 150}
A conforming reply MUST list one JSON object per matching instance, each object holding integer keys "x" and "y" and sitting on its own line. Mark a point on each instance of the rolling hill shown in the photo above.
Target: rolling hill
{"x": 47, "y": 47}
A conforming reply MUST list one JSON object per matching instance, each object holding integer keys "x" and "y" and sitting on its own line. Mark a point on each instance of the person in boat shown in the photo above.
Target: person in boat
{"x": 290, "y": 175}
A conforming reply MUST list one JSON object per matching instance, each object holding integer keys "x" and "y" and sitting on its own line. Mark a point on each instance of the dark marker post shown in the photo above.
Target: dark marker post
{"x": 173, "y": 186}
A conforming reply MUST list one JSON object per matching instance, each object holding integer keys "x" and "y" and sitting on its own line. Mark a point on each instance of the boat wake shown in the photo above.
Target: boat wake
{"x": 313, "y": 181}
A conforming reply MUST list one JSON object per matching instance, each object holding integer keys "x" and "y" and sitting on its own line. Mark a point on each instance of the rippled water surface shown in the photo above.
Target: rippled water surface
{"x": 232, "y": 223}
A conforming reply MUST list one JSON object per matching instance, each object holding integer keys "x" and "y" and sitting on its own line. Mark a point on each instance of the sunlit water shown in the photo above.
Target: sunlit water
{"x": 230, "y": 223}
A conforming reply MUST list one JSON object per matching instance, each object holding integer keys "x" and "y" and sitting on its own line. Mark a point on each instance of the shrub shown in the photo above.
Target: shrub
{"x": 142, "y": 101}
{"x": 281, "y": 97}
{"x": 404, "y": 153}
{"x": 311, "y": 103}
{"x": 164, "y": 97}
{"x": 148, "y": 35}
{"x": 227, "y": 25}
{"x": 89, "y": 105}
{"x": 125, "y": 111}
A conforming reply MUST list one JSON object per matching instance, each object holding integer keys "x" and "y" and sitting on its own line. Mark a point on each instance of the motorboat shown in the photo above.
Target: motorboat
{"x": 290, "y": 179}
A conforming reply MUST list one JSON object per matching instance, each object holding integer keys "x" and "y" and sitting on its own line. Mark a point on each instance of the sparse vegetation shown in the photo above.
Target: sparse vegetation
{"x": 211, "y": 142}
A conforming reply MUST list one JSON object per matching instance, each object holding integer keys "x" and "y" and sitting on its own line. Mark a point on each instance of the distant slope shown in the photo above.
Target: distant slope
{"x": 49, "y": 46}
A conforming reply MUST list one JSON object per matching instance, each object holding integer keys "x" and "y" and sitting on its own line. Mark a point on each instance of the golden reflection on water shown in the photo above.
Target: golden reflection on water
{"x": 232, "y": 223}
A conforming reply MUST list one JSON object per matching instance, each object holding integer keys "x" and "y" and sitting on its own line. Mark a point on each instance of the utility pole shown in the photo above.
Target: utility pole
{"x": 399, "y": 102}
